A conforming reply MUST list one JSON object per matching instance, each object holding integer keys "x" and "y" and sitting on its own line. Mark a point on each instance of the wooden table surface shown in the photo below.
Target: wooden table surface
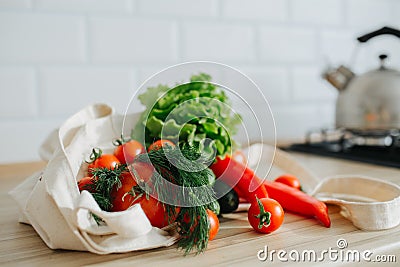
{"x": 235, "y": 245}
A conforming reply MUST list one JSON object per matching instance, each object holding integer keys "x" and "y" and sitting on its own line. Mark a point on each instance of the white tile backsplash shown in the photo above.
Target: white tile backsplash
{"x": 59, "y": 56}
{"x": 338, "y": 47}
{"x": 287, "y": 44}
{"x": 224, "y": 42}
{"x": 309, "y": 88}
{"x": 327, "y": 12}
{"x": 131, "y": 40}
{"x": 21, "y": 139}
{"x": 185, "y": 8}
{"x": 292, "y": 123}
{"x": 395, "y": 18}
{"x": 371, "y": 13}
{"x": 272, "y": 82}
{"x": 17, "y": 95}
{"x": 41, "y": 38}
{"x": 66, "y": 90}
{"x": 85, "y": 6}
{"x": 268, "y": 10}
{"x": 15, "y": 4}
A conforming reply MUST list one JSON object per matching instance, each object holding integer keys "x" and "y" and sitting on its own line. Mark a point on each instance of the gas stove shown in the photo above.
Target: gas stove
{"x": 381, "y": 147}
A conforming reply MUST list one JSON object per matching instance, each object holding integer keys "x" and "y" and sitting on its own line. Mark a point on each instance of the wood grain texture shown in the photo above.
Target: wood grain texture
{"x": 235, "y": 245}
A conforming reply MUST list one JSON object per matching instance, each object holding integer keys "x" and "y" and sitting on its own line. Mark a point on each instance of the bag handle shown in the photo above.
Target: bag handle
{"x": 65, "y": 133}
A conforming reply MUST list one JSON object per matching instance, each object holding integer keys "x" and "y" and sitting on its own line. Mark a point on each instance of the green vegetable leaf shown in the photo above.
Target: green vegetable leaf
{"x": 188, "y": 114}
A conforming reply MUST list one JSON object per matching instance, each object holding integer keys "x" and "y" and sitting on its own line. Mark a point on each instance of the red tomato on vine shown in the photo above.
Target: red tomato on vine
{"x": 87, "y": 183}
{"x": 127, "y": 151}
{"x": 160, "y": 144}
{"x": 100, "y": 160}
{"x": 289, "y": 180}
{"x": 265, "y": 215}
{"x": 157, "y": 213}
{"x": 214, "y": 224}
{"x": 127, "y": 195}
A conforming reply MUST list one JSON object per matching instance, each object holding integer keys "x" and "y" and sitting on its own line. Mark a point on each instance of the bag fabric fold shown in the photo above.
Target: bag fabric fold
{"x": 50, "y": 200}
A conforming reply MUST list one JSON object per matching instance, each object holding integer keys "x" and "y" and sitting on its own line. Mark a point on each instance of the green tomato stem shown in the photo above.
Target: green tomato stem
{"x": 264, "y": 217}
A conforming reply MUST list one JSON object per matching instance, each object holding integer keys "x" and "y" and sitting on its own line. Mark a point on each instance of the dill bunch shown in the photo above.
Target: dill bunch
{"x": 184, "y": 182}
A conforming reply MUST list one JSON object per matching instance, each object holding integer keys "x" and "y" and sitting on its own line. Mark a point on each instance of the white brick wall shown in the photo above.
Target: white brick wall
{"x": 327, "y": 12}
{"x": 32, "y": 37}
{"x": 57, "y": 56}
{"x": 273, "y": 83}
{"x": 186, "y": 8}
{"x": 85, "y": 6}
{"x": 235, "y": 42}
{"x": 15, "y": 3}
{"x": 369, "y": 13}
{"x": 132, "y": 40}
{"x": 308, "y": 87}
{"x": 17, "y": 95}
{"x": 269, "y": 10}
{"x": 68, "y": 89}
{"x": 287, "y": 44}
{"x": 337, "y": 45}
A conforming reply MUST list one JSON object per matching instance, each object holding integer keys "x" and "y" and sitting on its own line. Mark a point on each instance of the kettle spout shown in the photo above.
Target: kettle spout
{"x": 339, "y": 77}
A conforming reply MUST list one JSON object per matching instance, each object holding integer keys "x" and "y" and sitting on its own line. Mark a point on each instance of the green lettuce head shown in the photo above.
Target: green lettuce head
{"x": 197, "y": 114}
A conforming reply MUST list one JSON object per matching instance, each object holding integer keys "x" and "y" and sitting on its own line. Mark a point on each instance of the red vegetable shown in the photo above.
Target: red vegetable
{"x": 214, "y": 224}
{"x": 265, "y": 215}
{"x": 297, "y": 201}
{"x": 159, "y": 144}
{"x": 213, "y": 221}
{"x": 100, "y": 160}
{"x": 125, "y": 196}
{"x": 238, "y": 176}
{"x": 289, "y": 180}
{"x": 126, "y": 152}
{"x": 86, "y": 183}
{"x": 143, "y": 171}
{"x": 156, "y": 212}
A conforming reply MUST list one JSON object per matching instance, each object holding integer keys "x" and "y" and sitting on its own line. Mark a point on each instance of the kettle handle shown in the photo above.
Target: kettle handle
{"x": 384, "y": 30}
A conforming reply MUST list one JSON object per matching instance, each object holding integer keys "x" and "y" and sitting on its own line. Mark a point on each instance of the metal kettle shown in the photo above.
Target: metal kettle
{"x": 370, "y": 101}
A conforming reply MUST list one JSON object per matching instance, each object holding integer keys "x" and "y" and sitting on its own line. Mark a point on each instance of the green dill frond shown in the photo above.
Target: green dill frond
{"x": 104, "y": 182}
{"x": 194, "y": 229}
{"x": 194, "y": 194}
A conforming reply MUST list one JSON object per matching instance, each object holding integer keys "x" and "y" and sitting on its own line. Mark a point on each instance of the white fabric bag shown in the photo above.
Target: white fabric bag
{"x": 51, "y": 202}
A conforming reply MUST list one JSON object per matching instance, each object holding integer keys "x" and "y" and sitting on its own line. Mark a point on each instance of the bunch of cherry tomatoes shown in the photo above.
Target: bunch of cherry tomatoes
{"x": 123, "y": 196}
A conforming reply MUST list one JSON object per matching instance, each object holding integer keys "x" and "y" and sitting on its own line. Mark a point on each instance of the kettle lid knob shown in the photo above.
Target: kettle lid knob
{"x": 383, "y": 57}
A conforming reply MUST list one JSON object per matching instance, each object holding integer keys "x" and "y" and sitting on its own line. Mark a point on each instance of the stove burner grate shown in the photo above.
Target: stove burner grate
{"x": 380, "y": 148}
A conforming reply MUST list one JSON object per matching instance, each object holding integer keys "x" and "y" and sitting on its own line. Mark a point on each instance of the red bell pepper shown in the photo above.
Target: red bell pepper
{"x": 239, "y": 177}
{"x": 297, "y": 201}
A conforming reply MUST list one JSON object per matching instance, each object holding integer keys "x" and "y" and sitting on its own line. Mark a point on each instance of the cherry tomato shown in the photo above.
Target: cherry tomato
{"x": 289, "y": 180}
{"x": 100, "y": 160}
{"x": 143, "y": 170}
{"x": 126, "y": 152}
{"x": 86, "y": 183}
{"x": 159, "y": 144}
{"x": 214, "y": 224}
{"x": 125, "y": 196}
{"x": 156, "y": 212}
{"x": 265, "y": 215}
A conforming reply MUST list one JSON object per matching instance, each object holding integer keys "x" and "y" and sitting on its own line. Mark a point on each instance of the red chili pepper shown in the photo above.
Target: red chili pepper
{"x": 297, "y": 201}
{"x": 239, "y": 177}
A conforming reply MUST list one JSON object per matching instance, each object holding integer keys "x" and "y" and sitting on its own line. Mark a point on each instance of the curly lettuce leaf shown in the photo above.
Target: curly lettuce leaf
{"x": 196, "y": 113}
